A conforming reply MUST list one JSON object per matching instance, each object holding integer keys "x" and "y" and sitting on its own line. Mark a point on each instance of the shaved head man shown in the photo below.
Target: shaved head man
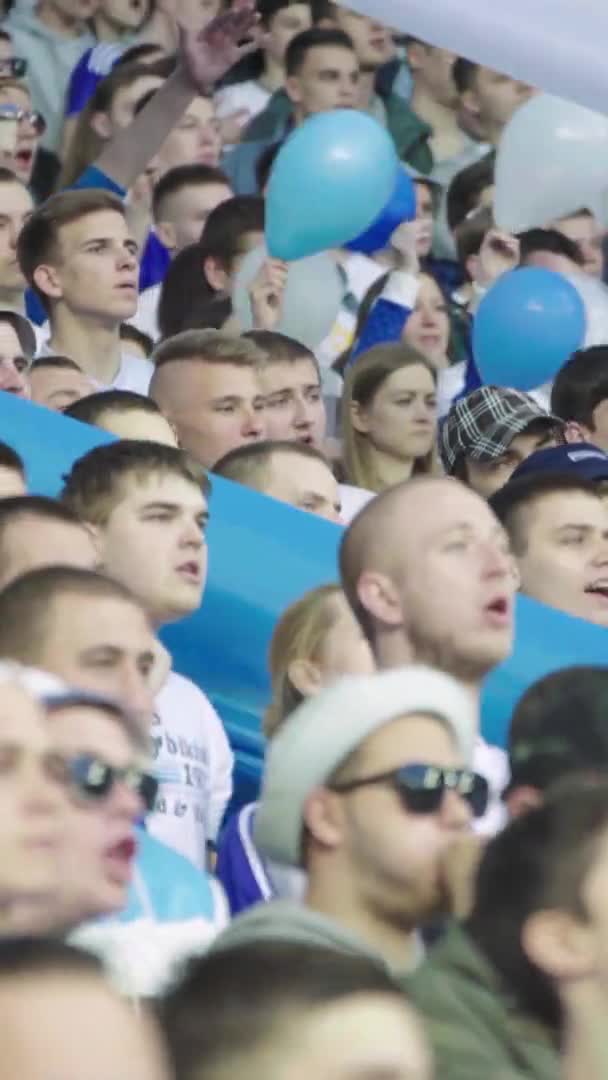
{"x": 428, "y": 571}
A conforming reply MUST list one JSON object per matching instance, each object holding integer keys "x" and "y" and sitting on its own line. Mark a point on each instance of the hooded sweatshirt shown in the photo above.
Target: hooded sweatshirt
{"x": 51, "y": 57}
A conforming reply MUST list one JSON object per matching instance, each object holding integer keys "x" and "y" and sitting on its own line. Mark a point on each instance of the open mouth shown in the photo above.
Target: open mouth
{"x": 190, "y": 570}
{"x": 498, "y": 611}
{"x": 598, "y": 588}
{"x": 24, "y": 159}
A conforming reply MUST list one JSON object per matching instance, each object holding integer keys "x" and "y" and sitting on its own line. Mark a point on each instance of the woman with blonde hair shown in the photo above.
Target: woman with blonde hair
{"x": 389, "y": 417}
{"x": 316, "y": 641}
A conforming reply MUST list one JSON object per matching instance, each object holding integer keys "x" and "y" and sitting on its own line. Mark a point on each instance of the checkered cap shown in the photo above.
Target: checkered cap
{"x": 483, "y": 424}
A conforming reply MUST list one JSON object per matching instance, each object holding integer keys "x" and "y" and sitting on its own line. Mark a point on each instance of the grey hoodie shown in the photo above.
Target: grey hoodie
{"x": 51, "y": 58}
{"x": 284, "y": 920}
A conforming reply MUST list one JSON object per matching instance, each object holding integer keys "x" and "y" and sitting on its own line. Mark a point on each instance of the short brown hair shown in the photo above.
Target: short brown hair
{"x": 280, "y": 349}
{"x": 209, "y": 346}
{"x": 95, "y": 485}
{"x": 250, "y": 464}
{"x": 26, "y": 606}
{"x": 39, "y": 238}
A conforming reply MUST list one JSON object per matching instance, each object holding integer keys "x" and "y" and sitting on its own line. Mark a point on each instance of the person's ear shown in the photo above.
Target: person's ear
{"x": 215, "y": 273}
{"x": 379, "y": 596}
{"x": 305, "y": 676}
{"x": 470, "y": 103}
{"x": 101, "y": 124}
{"x": 575, "y": 432}
{"x": 293, "y": 89}
{"x": 522, "y": 799}
{"x": 559, "y": 944}
{"x": 165, "y": 230}
{"x": 324, "y": 817}
{"x": 48, "y": 280}
{"x": 359, "y": 418}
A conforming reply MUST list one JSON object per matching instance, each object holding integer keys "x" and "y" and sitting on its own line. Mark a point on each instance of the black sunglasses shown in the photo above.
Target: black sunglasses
{"x": 421, "y": 787}
{"x": 94, "y": 779}
{"x": 14, "y": 68}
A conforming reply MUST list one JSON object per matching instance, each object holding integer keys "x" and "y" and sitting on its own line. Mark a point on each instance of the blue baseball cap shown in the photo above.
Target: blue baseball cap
{"x": 582, "y": 459}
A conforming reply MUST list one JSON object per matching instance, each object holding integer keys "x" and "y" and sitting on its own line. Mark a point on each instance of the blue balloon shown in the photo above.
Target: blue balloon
{"x": 400, "y": 207}
{"x": 526, "y": 327}
{"x": 329, "y": 182}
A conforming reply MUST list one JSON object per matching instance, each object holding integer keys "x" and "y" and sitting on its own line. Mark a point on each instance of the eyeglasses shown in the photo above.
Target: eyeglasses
{"x": 15, "y": 68}
{"x": 421, "y": 788}
{"x": 94, "y": 779}
{"x": 34, "y": 119}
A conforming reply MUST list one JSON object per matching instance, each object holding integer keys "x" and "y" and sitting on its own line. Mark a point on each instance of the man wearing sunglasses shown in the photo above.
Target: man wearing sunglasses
{"x": 427, "y": 570}
{"x": 367, "y": 788}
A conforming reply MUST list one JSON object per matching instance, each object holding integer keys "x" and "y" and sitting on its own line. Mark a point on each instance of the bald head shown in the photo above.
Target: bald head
{"x": 427, "y": 571}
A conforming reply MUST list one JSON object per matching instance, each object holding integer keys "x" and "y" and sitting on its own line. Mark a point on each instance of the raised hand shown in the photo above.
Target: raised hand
{"x": 266, "y": 294}
{"x": 209, "y": 53}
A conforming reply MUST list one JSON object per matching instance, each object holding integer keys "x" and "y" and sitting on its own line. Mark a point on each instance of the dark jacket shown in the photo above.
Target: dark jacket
{"x": 476, "y": 1031}
{"x": 411, "y": 137}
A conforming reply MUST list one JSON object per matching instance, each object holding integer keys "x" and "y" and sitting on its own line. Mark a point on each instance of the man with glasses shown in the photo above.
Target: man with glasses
{"x": 30, "y": 126}
{"x": 368, "y": 788}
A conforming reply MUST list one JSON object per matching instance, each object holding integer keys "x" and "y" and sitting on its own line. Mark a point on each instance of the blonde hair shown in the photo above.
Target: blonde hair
{"x": 363, "y": 380}
{"x": 298, "y": 635}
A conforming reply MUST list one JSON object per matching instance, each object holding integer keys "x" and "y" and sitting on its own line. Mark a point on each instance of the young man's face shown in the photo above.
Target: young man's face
{"x": 112, "y": 654}
{"x": 31, "y": 542}
{"x": 328, "y": 79}
{"x": 395, "y": 857}
{"x": 56, "y": 388}
{"x": 488, "y": 477}
{"x": 98, "y": 845}
{"x": 154, "y": 543}
{"x": 370, "y": 38}
{"x": 187, "y": 212}
{"x": 195, "y": 139}
{"x": 33, "y": 800}
{"x": 585, "y": 231}
{"x": 15, "y": 207}
{"x": 213, "y": 407}
{"x": 434, "y": 72}
{"x": 305, "y": 483}
{"x": 565, "y": 561}
{"x": 447, "y": 544}
{"x": 425, "y": 217}
{"x": 97, "y": 270}
{"x": 283, "y": 27}
{"x": 13, "y": 363}
{"x": 294, "y": 406}
{"x": 493, "y": 100}
{"x": 28, "y": 133}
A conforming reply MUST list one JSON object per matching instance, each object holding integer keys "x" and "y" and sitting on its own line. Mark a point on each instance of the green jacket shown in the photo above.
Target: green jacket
{"x": 410, "y": 135}
{"x": 476, "y": 1032}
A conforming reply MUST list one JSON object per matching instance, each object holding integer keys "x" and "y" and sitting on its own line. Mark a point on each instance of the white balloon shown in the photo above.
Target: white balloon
{"x": 556, "y": 45}
{"x": 311, "y": 301}
{"x": 552, "y": 161}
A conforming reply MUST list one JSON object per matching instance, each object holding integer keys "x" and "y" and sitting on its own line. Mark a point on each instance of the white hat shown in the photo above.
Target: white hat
{"x": 325, "y": 729}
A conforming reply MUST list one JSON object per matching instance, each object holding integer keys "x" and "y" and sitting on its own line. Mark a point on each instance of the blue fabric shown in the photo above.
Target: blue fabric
{"x": 34, "y": 308}
{"x": 92, "y": 177}
{"x": 92, "y": 67}
{"x": 155, "y": 262}
{"x": 233, "y": 868}
{"x": 384, "y": 323}
{"x": 176, "y": 889}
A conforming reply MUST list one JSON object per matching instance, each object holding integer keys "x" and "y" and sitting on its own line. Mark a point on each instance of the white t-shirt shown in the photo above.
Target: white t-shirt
{"x": 194, "y": 762}
{"x": 134, "y": 372}
{"x": 146, "y": 316}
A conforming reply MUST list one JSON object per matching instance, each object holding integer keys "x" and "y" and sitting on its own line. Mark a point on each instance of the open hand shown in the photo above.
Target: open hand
{"x": 209, "y": 53}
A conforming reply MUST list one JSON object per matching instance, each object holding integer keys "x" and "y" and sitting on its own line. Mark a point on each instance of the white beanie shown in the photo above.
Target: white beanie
{"x": 321, "y": 733}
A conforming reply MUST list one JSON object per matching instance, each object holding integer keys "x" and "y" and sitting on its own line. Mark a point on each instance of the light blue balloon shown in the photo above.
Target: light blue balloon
{"x": 330, "y": 181}
{"x": 526, "y": 327}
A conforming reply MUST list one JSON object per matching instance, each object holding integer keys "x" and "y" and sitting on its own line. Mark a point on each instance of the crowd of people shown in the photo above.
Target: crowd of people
{"x": 402, "y": 899}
